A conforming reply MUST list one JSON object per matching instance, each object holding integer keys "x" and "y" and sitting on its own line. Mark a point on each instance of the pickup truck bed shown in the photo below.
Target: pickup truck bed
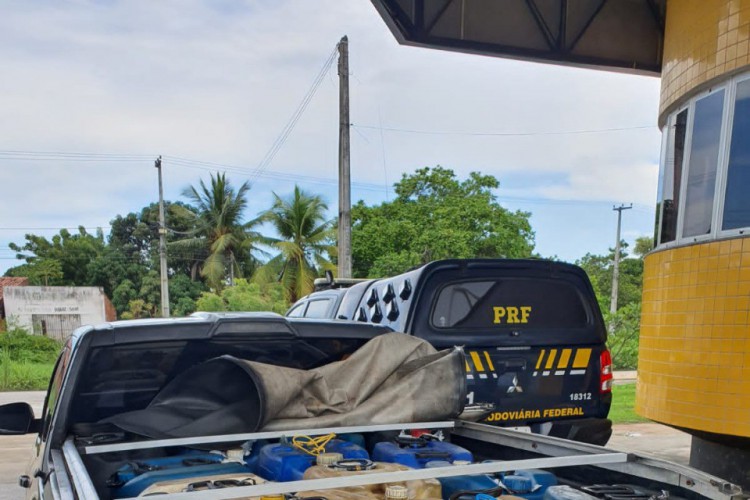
{"x": 110, "y": 377}
{"x": 495, "y": 450}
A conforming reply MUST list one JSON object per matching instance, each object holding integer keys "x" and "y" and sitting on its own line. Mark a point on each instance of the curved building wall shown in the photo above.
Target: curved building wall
{"x": 694, "y": 364}
{"x": 703, "y": 40}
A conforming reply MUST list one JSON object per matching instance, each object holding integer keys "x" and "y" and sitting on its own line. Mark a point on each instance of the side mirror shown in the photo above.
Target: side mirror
{"x": 17, "y": 418}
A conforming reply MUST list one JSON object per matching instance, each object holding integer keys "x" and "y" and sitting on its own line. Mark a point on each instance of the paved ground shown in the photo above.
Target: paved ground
{"x": 648, "y": 438}
{"x": 15, "y": 451}
{"x": 652, "y": 439}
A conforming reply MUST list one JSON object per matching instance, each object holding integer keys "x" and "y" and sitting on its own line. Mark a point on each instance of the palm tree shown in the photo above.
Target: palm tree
{"x": 303, "y": 245}
{"x": 220, "y": 235}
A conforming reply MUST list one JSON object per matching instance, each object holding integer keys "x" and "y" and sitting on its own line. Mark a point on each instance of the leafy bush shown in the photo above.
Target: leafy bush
{"x": 624, "y": 334}
{"x": 19, "y": 346}
{"x": 245, "y": 296}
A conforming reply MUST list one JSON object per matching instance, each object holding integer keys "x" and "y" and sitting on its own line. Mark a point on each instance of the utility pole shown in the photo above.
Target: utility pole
{"x": 345, "y": 201}
{"x": 231, "y": 269}
{"x": 616, "y": 271}
{"x": 162, "y": 247}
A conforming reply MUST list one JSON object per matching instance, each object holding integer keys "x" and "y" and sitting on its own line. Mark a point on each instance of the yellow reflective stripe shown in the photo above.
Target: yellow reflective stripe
{"x": 582, "y": 358}
{"x": 468, "y": 368}
{"x": 564, "y": 359}
{"x": 551, "y": 359}
{"x": 539, "y": 361}
{"x": 489, "y": 361}
{"x": 477, "y": 362}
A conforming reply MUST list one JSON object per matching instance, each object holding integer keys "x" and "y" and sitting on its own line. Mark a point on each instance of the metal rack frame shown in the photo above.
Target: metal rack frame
{"x": 562, "y": 453}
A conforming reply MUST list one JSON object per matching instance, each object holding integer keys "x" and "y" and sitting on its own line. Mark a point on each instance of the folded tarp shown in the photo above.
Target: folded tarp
{"x": 394, "y": 378}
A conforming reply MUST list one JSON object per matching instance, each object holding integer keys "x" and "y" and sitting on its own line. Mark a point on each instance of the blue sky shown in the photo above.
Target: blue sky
{"x": 217, "y": 82}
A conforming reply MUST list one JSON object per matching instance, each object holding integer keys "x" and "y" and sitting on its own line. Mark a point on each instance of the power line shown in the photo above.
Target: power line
{"x": 52, "y": 228}
{"x": 282, "y": 137}
{"x": 74, "y": 154}
{"x": 501, "y": 134}
{"x": 211, "y": 166}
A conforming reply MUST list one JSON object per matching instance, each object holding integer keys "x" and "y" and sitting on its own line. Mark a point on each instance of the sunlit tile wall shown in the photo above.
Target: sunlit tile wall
{"x": 704, "y": 39}
{"x": 694, "y": 361}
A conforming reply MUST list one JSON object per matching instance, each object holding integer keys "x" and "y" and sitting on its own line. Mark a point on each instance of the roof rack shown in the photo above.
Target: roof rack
{"x": 329, "y": 282}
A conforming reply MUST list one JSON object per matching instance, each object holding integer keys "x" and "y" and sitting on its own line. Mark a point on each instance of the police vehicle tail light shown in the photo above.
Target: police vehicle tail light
{"x": 605, "y": 374}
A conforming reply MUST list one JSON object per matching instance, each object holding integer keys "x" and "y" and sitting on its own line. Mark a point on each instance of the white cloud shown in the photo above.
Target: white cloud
{"x": 217, "y": 81}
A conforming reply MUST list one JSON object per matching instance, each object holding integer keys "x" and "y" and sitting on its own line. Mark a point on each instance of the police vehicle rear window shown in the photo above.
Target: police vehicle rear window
{"x": 521, "y": 303}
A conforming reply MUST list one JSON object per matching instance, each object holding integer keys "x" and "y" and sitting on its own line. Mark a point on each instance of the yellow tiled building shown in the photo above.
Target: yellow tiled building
{"x": 694, "y": 363}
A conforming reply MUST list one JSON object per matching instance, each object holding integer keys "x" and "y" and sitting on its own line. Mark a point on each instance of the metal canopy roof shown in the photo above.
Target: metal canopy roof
{"x": 621, "y": 35}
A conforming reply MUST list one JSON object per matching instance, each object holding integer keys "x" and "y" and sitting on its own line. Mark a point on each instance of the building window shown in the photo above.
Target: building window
{"x": 737, "y": 201}
{"x": 702, "y": 165}
{"x": 671, "y": 178}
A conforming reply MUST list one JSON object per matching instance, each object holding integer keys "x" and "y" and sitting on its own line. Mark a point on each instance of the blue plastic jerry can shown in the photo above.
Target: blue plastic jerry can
{"x": 189, "y": 458}
{"x": 451, "y": 485}
{"x": 529, "y": 483}
{"x": 417, "y": 452}
{"x": 283, "y": 462}
{"x": 139, "y": 483}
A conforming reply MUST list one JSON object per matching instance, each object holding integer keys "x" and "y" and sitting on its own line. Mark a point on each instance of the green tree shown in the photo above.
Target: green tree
{"x": 132, "y": 258}
{"x": 304, "y": 243}
{"x": 245, "y": 296}
{"x": 624, "y": 336}
{"x": 183, "y": 292}
{"x": 45, "y": 272}
{"x": 122, "y": 295}
{"x": 138, "y": 308}
{"x": 600, "y": 268}
{"x": 643, "y": 245}
{"x": 436, "y": 216}
{"x": 125, "y": 265}
{"x": 73, "y": 251}
{"x": 624, "y": 324}
{"x": 219, "y": 231}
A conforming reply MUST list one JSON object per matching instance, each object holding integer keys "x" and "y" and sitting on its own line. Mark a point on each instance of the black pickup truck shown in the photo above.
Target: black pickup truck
{"x": 119, "y": 391}
{"x": 534, "y": 336}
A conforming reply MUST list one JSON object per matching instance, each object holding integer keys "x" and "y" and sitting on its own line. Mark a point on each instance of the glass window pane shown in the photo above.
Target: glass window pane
{"x": 317, "y": 309}
{"x": 660, "y": 185}
{"x": 737, "y": 201}
{"x": 511, "y": 303}
{"x": 669, "y": 192}
{"x": 297, "y": 312}
{"x": 704, "y": 157}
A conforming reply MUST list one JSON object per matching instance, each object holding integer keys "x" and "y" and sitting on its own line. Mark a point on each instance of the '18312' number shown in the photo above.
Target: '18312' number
{"x": 580, "y": 396}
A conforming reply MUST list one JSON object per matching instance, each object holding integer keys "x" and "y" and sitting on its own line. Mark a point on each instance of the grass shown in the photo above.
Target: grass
{"x": 26, "y": 361}
{"x": 24, "y": 376}
{"x": 623, "y": 405}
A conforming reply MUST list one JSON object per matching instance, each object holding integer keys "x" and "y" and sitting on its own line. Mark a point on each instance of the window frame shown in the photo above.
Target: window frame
{"x": 301, "y": 307}
{"x": 728, "y": 146}
{"x": 672, "y": 123}
{"x": 327, "y": 300}
{"x": 681, "y": 238}
{"x": 722, "y": 167}
{"x": 660, "y": 180}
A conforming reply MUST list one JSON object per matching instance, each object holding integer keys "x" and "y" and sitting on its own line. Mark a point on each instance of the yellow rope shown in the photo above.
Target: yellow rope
{"x": 312, "y": 446}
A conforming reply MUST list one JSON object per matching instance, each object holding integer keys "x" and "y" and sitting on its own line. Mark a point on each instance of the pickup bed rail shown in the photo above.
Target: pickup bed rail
{"x": 541, "y": 452}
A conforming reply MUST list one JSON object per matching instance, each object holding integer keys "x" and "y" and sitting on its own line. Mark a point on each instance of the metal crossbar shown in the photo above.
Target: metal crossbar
{"x": 228, "y": 438}
{"x": 272, "y": 488}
